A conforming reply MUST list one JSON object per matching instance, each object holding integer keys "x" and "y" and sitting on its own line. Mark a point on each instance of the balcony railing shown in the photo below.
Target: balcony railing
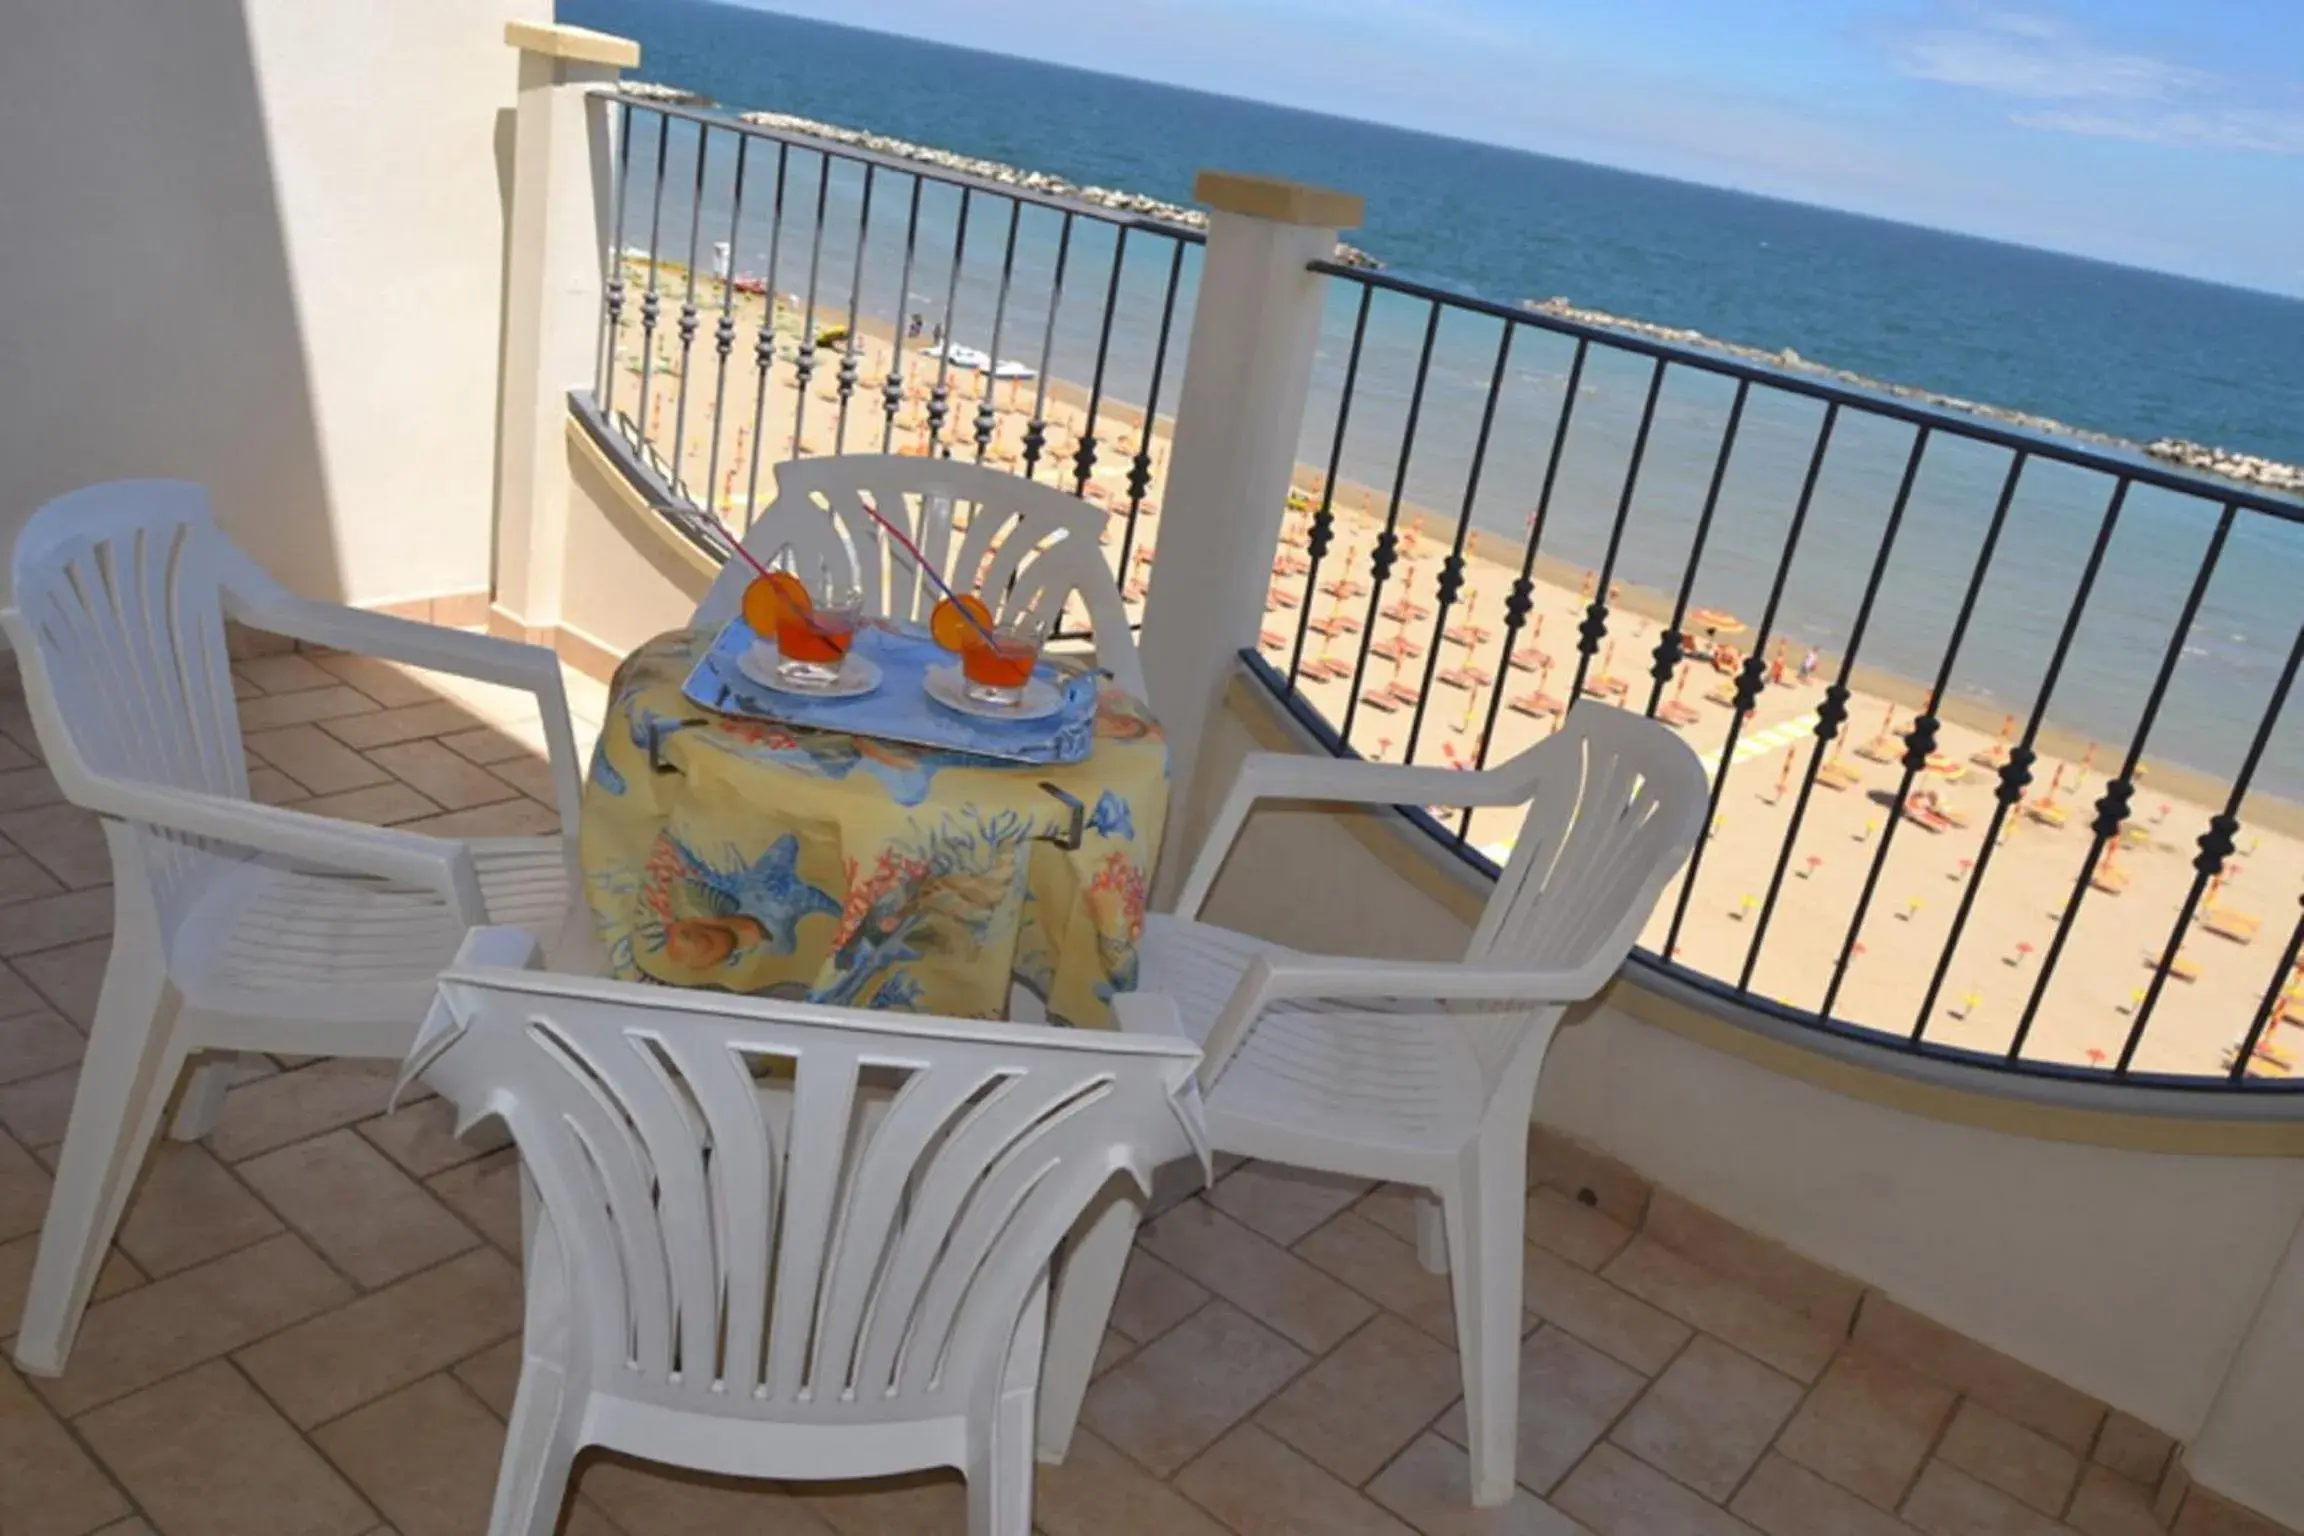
{"x": 1859, "y": 587}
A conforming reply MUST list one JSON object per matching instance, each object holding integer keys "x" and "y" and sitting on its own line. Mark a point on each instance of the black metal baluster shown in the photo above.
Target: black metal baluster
{"x": 855, "y": 298}
{"x": 764, "y": 345}
{"x": 1452, "y": 568}
{"x": 986, "y": 416}
{"x": 804, "y": 365}
{"x": 892, "y": 387}
{"x": 1832, "y": 713}
{"x": 2271, "y": 1003}
{"x": 1388, "y": 542}
{"x": 2016, "y": 772}
{"x": 1084, "y": 460}
{"x": 1324, "y": 517}
{"x": 690, "y": 316}
{"x": 724, "y": 336}
{"x": 650, "y": 304}
{"x": 612, "y": 315}
{"x": 1754, "y": 668}
{"x": 1595, "y": 626}
{"x": 940, "y": 398}
{"x": 2215, "y": 848}
{"x": 2112, "y": 807}
{"x": 1140, "y": 468}
{"x": 1920, "y": 739}
{"x": 1036, "y": 433}
{"x": 1668, "y": 649}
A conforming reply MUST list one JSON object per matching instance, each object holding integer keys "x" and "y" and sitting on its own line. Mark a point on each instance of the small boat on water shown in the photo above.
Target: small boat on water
{"x": 960, "y": 356}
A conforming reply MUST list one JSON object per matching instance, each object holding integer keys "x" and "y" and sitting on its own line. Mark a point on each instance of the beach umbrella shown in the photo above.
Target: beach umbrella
{"x": 1718, "y": 620}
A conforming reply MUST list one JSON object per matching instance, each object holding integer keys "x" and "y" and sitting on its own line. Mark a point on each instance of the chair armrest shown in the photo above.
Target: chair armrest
{"x": 1297, "y": 776}
{"x": 1270, "y": 980}
{"x": 485, "y": 658}
{"x": 437, "y": 864}
{"x": 483, "y": 948}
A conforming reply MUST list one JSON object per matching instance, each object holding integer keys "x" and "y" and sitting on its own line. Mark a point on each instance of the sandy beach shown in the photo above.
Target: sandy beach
{"x": 2122, "y": 925}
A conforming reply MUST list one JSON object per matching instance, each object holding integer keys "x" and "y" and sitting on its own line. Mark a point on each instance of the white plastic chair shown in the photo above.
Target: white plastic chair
{"x": 1425, "y": 1073}
{"x": 237, "y": 926}
{"x": 1025, "y": 547}
{"x": 837, "y": 1268}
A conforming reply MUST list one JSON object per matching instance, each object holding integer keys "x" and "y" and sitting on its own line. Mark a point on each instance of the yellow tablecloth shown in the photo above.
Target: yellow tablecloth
{"x": 863, "y": 872}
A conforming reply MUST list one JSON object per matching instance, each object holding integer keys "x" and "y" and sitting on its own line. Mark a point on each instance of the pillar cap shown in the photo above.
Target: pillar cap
{"x": 580, "y": 45}
{"x": 1283, "y": 202}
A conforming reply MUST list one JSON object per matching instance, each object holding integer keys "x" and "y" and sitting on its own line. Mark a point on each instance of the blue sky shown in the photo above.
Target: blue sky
{"x": 2167, "y": 134}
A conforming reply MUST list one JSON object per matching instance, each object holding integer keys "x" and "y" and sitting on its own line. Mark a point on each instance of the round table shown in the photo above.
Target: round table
{"x": 747, "y": 855}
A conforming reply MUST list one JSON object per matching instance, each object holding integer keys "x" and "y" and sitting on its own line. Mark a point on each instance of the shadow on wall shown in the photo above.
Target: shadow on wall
{"x": 149, "y": 320}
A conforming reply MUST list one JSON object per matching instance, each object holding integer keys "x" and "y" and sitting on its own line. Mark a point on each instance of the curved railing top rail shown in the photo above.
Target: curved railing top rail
{"x": 2137, "y": 467}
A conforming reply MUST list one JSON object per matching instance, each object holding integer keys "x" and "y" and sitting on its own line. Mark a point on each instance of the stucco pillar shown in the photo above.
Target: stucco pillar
{"x": 556, "y": 250}
{"x": 1238, "y": 417}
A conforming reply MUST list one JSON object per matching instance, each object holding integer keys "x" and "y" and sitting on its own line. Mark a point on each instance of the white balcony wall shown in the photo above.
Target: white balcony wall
{"x": 258, "y": 243}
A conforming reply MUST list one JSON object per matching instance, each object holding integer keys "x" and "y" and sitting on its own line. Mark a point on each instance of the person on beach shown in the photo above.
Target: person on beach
{"x": 1808, "y": 664}
{"x": 912, "y": 327}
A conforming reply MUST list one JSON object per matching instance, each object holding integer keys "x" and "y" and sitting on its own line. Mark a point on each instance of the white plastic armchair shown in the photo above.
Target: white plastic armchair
{"x": 1022, "y": 546}
{"x": 776, "y": 1240}
{"x": 1421, "y": 1072}
{"x": 237, "y": 926}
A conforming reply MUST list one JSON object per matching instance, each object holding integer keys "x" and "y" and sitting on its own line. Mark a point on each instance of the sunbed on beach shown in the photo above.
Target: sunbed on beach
{"x": 1881, "y": 749}
{"x": 2239, "y": 927}
{"x": 2046, "y": 812}
{"x": 1838, "y": 775}
{"x": 1927, "y": 815}
{"x": 1536, "y": 706}
{"x": 2108, "y": 878}
{"x": 1530, "y": 659}
{"x": 1675, "y": 713}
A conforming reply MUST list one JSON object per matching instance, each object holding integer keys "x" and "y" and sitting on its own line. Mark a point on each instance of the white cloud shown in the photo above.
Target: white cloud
{"x": 2076, "y": 85}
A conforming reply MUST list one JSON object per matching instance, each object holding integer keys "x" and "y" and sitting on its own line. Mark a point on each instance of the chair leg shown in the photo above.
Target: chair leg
{"x": 1485, "y": 1221}
{"x": 1431, "y": 1233}
{"x": 1087, "y": 1280}
{"x": 540, "y": 1442}
{"x": 203, "y": 1101}
{"x": 1000, "y": 1472}
{"x": 135, "y": 1054}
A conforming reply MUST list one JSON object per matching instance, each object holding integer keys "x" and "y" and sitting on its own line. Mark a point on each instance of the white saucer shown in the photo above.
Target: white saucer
{"x": 948, "y": 688}
{"x": 859, "y": 675}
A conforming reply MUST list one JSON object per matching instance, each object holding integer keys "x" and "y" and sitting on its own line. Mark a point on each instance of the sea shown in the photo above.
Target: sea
{"x": 1965, "y": 599}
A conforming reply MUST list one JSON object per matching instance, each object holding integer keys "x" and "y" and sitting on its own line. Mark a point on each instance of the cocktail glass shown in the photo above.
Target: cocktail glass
{"x": 813, "y": 642}
{"x": 997, "y": 673}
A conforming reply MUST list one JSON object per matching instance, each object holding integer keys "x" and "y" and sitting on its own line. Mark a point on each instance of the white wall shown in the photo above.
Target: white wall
{"x": 258, "y": 243}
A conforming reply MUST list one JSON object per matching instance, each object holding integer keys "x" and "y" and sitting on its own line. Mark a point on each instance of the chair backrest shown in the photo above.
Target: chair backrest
{"x": 1021, "y": 546}
{"x": 775, "y": 1211}
{"x": 120, "y": 592}
{"x": 1616, "y": 802}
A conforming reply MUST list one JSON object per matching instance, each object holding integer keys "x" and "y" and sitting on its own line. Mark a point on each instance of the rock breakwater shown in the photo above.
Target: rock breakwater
{"x": 2248, "y": 468}
{"x": 669, "y": 95}
{"x": 1046, "y": 183}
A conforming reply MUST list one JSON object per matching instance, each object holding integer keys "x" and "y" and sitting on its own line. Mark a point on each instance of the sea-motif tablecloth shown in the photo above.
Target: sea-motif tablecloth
{"x": 758, "y": 857}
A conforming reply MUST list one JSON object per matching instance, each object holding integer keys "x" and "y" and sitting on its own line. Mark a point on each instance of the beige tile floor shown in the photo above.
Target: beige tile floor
{"x": 310, "y": 1325}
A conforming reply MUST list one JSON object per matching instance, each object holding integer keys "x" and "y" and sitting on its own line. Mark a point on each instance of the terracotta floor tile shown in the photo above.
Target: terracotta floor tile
{"x": 1270, "y": 1283}
{"x": 1154, "y": 1297}
{"x": 1373, "y": 1394}
{"x": 917, "y": 1504}
{"x": 48, "y": 1486}
{"x": 1868, "y": 1426}
{"x": 1570, "y": 1166}
{"x": 286, "y": 673}
{"x": 167, "y": 1326}
{"x": 530, "y": 776}
{"x": 67, "y": 841}
{"x": 1709, "y": 1417}
{"x": 2032, "y": 1398}
{"x": 1785, "y": 1277}
{"x": 1570, "y": 1394}
{"x": 22, "y": 879}
{"x": 190, "y": 1209}
{"x": 13, "y": 757}
{"x": 427, "y": 1457}
{"x": 387, "y": 1339}
{"x": 16, "y": 1260}
{"x": 1115, "y": 1347}
{"x": 389, "y": 683}
{"x": 315, "y": 759}
{"x": 441, "y": 775}
{"x": 305, "y": 708}
{"x": 1584, "y": 1235}
{"x": 421, "y": 1137}
{"x": 34, "y": 1044}
{"x": 2204, "y": 1514}
{"x": 1599, "y": 1312}
{"x": 486, "y": 1193}
{"x": 70, "y": 976}
{"x": 23, "y": 1190}
{"x": 2019, "y": 1461}
{"x": 38, "y": 1110}
{"x": 1619, "y": 1495}
{"x": 365, "y": 1216}
{"x": 290, "y": 1106}
{"x": 488, "y": 745}
{"x": 1099, "y": 1492}
{"x": 1252, "y": 1482}
{"x": 1392, "y": 1207}
{"x": 1798, "y": 1346}
{"x": 2108, "y": 1504}
{"x": 1948, "y": 1502}
{"x": 204, "y": 1455}
{"x": 1385, "y": 1269}
{"x": 493, "y": 1375}
{"x": 518, "y": 817}
{"x": 23, "y": 788}
{"x": 645, "y": 1499}
{"x": 1785, "y": 1499}
{"x": 2132, "y": 1448}
{"x": 135, "y": 1527}
{"x": 17, "y": 995}
{"x": 410, "y": 722}
{"x": 379, "y": 805}
{"x": 269, "y": 786}
{"x": 53, "y": 921}
{"x": 1181, "y": 1392}
{"x": 1284, "y": 1203}
{"x": 1429, "y": 1485}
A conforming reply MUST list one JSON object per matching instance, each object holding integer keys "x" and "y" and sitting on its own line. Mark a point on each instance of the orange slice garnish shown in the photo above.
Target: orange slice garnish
{"x": 950, "y": 627}
{"x": 773, "y": 597}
